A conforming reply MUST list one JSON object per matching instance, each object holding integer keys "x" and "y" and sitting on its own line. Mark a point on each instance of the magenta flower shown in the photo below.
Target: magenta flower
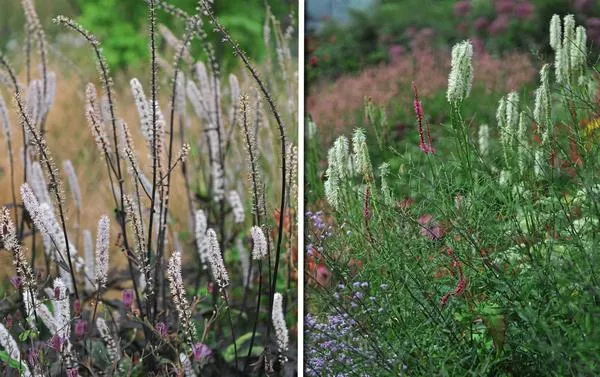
{"x": 480, "y": 23}
{"x": 499, "y": 25}
{"x": 72, "y": 372}
{"x": 201, "y": 352}
{"x": 418, "y": 107}
{"x": 430, "y": 228}
{"x": 33, "y": 355}
{"x": 162, "y": 329}
{"x": 16, "y": 281}
{"x": 57, "y": 293}
{"x": 76, "y": 308}
{"x": 56, "y": 343}
{"x": 127, "y": 296}
{"x": 81, "y": 327}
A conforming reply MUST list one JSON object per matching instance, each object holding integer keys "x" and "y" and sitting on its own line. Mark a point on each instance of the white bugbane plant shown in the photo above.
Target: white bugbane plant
{"x": 182, "y": 306}
{"x": 73, "y": 182}
{"x": 281, "y": 331}
{"x": 201, "y": 226}
{"x": 236, "y": 205}
{"x": 102, "y": 255}
{"x": 555, "y": 32}
{"x": 259, "y": 243}
{"x": 217, "y": 266}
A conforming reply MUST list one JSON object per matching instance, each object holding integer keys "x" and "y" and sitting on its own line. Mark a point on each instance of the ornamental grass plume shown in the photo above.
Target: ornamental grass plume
{"x": 461, "y": 72}
{"x": 281, "y": 331}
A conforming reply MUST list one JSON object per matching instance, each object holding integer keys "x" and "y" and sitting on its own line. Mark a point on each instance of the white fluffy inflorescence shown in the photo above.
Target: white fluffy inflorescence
{"x": 90, "y": 261}
{"x": 338, "y": 170}
{"x": 236, "y": 205}
{"x": 186, "y": 365}
{"x": 484, "y": 139}
{"x": 178, "y": 296}
{"x": 461, "y": 72}
{"x": 102, "y": 242}
{"x": 259, "y": 243}
{"x": 507, "y": 116}
{"x": 570, "y": 54}
{"x": 73, "y": 182}
{"x": 281, "y": 331}
{"x": 217, "y": 266}
{"x": 362, "y": 161}
{"x": 201, "y": 226}
{"x": 386, "y": 192}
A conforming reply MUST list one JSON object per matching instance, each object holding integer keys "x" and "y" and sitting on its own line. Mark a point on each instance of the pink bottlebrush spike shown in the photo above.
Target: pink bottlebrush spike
{"x": 418, "y": 107}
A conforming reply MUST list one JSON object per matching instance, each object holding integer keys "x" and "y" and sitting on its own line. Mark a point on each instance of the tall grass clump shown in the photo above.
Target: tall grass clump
{"x": 472, "y": 253}
{"x": 208, "y": 291}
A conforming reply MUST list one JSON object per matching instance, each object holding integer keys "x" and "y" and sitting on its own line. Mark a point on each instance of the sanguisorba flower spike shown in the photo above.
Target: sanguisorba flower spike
{"x": 461, "y": 73}
{"x": 259, "y": 243}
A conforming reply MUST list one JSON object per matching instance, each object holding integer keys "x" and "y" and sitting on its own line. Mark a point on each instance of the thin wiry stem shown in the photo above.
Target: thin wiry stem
{"x": 46, "y": 159}
{"x": 238, "y": 51}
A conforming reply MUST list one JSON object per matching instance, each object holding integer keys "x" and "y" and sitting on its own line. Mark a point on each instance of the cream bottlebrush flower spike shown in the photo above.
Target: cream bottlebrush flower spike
{"x": 339, "y": 169}
{"x": 187, "y": 365}
{"x": 102, "y": 255}
{"x": 281, "y": 331}
{"x": 259, "y": 243}
{"x": 217, "y": 266}
{"x": 386, "y": 192}
{"x": 521, "y": 140}
{"x": 73, "y": 182}
{"x": 90, "y": 261}
{"x": 555, "y": 32}
{"x": 236, "y": 205}
{"x": 579, "y": 51}
{"x": 9, "y": 344}
{"x": 461, "y": 72}
{"x": 201, "y": 226}
{"x": 542, "y": 108}
{"x": 178, "y": 296}
{"x": 362, "y": 161}
{"x": 484, "y": 139}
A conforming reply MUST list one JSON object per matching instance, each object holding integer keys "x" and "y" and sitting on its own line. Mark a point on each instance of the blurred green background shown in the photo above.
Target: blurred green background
{"x": 121, "y": 25}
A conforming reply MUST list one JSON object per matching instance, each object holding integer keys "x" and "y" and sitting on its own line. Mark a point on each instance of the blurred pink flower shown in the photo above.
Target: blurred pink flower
{"x": 462, "y": 8}
{"x": 127, "y": 296}
{"x": 396, "y": 52}
{"x": 504, "y": 6}
{"x": 524, "y": 11}
{"x": 480, "y": 23}
{"x": 201, "y": 352}
{"x": 499, "y": 25}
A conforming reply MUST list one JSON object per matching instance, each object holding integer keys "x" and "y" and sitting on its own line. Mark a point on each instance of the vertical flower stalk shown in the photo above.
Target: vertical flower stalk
{"x": 217, "y": 266}
{"x": 426, "y": 147}
{"x": 484, "y": 139}
{"x": 386, "y": 192}
{"x": 461, "y": 72}
{"x": 259, "y": 243}
{"x": 361, "y": 157}
{"x": 102, "y": 255}
{"x": 201, "y": 226}
{"x": 281, "y": 331}
{"x": 237, "y": 207}
{"x": 182, "y": 306}
{"x": 9, "y": 344}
